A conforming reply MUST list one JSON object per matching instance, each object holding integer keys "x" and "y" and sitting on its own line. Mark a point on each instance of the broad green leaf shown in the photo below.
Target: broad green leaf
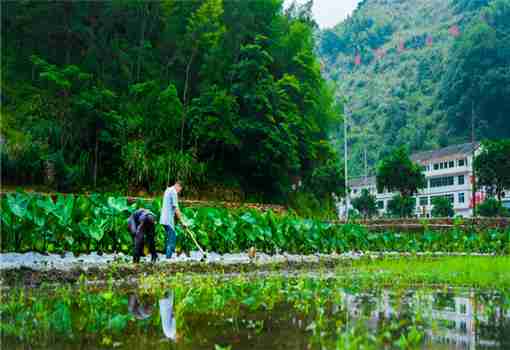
{"x": 18, "y": 204}
{"x": 118, "y": 204}
{"x": 47, "y": 205}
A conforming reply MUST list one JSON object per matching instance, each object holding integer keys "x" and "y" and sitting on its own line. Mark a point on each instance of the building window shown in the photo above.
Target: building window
{"x": 441, "y": 165}
{"x": 451, "y": 164}
{"x": 463, "y": 309}
{"x": 424, "y": 201}
{"x": 461, "y": 197}
{"x": 436, "y": 166}
{"x": 355, "y": 191}
{"x": 461, "y": 162}
{"x": 380, "y": 204}
{"x": 461, "y": 180}
{"x": 441, "y": 181}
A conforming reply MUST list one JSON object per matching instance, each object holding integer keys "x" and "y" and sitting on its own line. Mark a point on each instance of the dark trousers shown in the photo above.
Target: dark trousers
{"x": 140, "y": 237}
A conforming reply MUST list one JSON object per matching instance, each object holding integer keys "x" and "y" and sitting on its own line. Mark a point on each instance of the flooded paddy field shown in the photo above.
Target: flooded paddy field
{"x": 405, "y": 303}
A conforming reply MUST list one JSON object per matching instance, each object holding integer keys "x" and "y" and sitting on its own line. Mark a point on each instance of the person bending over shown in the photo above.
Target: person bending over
{"x": 141, "y": 226}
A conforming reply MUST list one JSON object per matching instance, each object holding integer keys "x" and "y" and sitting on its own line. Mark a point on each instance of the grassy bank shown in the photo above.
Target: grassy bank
{"x": 467, "y": 271}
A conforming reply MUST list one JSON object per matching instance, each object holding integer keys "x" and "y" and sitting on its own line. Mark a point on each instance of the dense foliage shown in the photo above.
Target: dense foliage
{"x": 477, "y": 77}
{"x": 136, "y": 93}
{"x": 365, "y": 204}
{"x": 491, "y": 207}
{"x": 442, "y": 207}
{"x": 98, "y": 223}
{"x": 413, "y": 71}
{"x": 401, "y": 206}
{"x": 492, "y": 167}
{"x": 398, "y": 173}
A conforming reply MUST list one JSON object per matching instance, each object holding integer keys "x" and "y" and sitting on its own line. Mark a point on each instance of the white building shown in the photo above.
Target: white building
{"x": 448, "y": 172}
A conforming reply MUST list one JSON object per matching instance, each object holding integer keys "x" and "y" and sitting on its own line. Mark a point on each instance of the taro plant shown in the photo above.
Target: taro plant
{"x": 16, "y": 217}
{"x": 98, "y": 222}
{"x": 59, "y": 221}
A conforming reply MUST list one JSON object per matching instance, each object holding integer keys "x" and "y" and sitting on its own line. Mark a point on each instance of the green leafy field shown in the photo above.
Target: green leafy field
{"x": 99, "y": 223}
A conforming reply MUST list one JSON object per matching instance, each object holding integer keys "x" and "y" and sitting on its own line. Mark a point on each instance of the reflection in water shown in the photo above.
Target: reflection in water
{"x": 273, "y": 314}
{"x": 142, "y": 311}
{"x": 138, "y": 310}
{"x": 461, "y": 320}
{"x": 166, "y": 312}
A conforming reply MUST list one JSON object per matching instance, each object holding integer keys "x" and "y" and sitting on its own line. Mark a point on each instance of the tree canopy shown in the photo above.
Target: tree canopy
{"x": 365, "y": 204}
{"x": 133, "y": 93}
{"x": 477, "y": 78}
{"x": 492, "y": 166}
{"x": 397, "y": 172}
{"x": 491, "y": 207}
{"x": 442, "y": 207}
{"x": 400, "y": 206}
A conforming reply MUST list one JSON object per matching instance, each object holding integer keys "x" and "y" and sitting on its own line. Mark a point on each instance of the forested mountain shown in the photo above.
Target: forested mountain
{"x": 413, "y": 71}
{"x": 136, "y": 93}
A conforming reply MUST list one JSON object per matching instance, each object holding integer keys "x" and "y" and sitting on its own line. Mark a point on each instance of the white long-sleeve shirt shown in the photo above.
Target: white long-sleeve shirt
{"x": 169, "y": 206}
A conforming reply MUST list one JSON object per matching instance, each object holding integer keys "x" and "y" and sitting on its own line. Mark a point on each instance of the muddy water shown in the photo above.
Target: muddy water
{"x": 268, "y": 313}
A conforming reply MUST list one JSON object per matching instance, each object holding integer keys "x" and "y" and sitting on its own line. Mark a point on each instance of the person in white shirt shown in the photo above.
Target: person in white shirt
{"x": 170, "y": 209}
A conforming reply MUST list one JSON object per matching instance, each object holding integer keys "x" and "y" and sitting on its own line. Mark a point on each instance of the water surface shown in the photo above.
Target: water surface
{"x": 271, "y": 312}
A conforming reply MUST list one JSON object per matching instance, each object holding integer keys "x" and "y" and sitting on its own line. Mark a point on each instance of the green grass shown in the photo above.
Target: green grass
{"x": 472, "y": 271}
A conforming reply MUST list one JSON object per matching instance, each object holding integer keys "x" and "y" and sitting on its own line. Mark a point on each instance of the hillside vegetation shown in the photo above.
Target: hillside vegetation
{"x": 133, "y": 94}
{"x": 413, "y": 71}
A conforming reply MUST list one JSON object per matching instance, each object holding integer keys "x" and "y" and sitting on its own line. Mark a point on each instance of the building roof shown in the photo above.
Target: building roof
{"x": 360, "y": 181}
{"x": 454, "y": 150}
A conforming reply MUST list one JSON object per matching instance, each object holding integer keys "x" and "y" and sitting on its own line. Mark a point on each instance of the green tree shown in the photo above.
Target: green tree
{"x": 399, "y": 206}
{"x": 128, "y": 92}
{"x": 203, "y": 32}
{"x": 491, "y": 208}
{"x": 397, "y": 172}
{"x": 492, "y": 166}
{"x": 328, "y": 179}
{"x": 365, "y": 204}
{"x": 442, "y": 207}
{"x": 477, "y": 79}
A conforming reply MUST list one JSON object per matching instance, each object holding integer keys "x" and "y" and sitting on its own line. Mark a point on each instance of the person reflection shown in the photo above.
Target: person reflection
{"x": 166, "y": 310}
{"x": 140, "y": 311}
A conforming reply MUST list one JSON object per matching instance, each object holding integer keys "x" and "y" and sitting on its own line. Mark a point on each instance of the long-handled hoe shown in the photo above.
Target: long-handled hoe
{"x": 204, "y": 254}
